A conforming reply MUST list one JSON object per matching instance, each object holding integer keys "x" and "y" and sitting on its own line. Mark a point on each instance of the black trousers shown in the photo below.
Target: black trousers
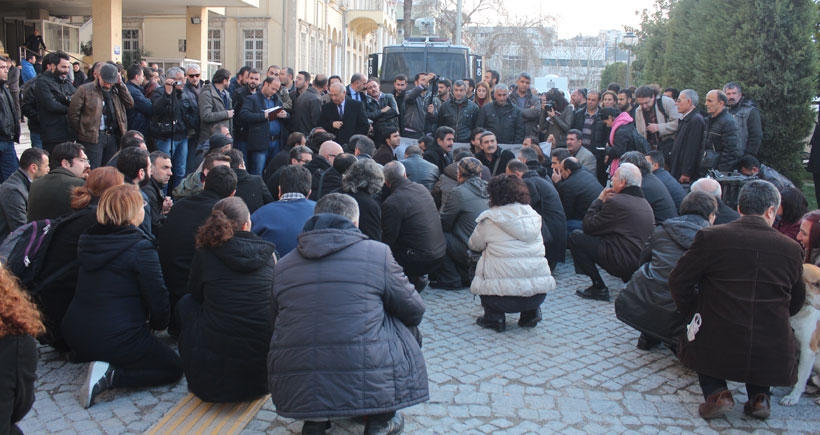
{"x": 453, "y": 268}
{"x": 584, "y": 250}
{"x": 101, "y": 152}
{"x": 710, "y": 385}
{"x": 414, "y": 265}
{"x": 496, "y": 306}
{"x": 158, "y": 366}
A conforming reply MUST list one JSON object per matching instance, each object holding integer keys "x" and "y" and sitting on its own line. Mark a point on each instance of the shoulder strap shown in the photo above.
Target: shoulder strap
{"x": 661, "y": 108}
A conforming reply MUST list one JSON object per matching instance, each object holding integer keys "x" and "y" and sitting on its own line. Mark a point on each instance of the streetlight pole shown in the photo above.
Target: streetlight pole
{"x": 629, "y": 40}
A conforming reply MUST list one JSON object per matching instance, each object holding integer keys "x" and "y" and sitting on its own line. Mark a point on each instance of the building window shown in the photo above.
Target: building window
{"x": 130, "y": 41}
{"x": 253, "y": 48}
{"x": 215, "y": 45}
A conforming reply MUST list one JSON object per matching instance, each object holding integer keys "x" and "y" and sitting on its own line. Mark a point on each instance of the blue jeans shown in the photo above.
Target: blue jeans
{"x": 256, "y": 160}
{"x": 36, "y": 140}
{"x": 178, "y": 150}
{"x": 574, "y": 224}
{"x": 241, "y": 145}
{"x": 8, "y": 160}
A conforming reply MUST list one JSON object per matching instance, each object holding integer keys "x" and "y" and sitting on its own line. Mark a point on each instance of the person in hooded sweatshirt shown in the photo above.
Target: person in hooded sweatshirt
{"x": 225, "y": 316}
{"x": 120, "y": 299}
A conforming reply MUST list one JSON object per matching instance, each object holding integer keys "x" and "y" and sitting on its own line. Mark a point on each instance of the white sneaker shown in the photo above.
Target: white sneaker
{"x": 97, "y": 381}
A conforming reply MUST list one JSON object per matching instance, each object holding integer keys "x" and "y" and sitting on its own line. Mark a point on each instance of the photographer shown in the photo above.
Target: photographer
{"x": 556, "y": 118}
{"x": 173, "y": 112}
{"x": 416, "y": 105}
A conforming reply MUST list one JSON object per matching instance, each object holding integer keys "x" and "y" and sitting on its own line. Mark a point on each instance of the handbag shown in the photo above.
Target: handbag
{"x": 164, "y": 128}
{"x": 710, "y": 160}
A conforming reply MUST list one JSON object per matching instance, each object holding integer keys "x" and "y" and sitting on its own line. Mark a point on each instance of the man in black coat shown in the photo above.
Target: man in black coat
{"x": 440, "y": 153}
{"x": 663, "y": 206}
{"x": 324, "y": 178}
{"x": 177, "y": 239}
{"x": 502, "y": 118}
{"x": 267, "y": 133}
{"x": 545, "y": 200}
{"x": 656, "y": 161}
{"x": 725, "y": 213}
{"x": 342, "y": 116}
{"x": 307, "y": 109}
{"x": 491, "y": 155}
{"x": 577, "y": 189}
{"x": 616, "y": 227}
{"x": 249, "y": 187}
{"x": 53, "y": 91}
{"x": 721, "y": 133}
{"x": 686, "y": 150}
{"x": 411, "y": 225}
{"x": 159, "y": 204}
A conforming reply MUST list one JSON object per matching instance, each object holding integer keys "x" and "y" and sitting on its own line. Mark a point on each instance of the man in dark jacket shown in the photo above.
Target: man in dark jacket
{"x": 709, "y": 185}
{"x": 266, "y": 121}
{"x": 616, "y": 228}
{"x": 721, "y": 133}
{"x": 174, "y": 114}
{"x": 177, "y": 239}
{"x": 545, "y": 201}
{"x": 307, "y": 109}
{"x": 656, "y": 161}
{"x": 53, "y": 91}
{"x": 458, "y": 220}
{"x": 281, "y": 221}
{"x": 440, "y": 153}
{"x": 659, "y": 198}
{"x": 366, "y": 360}
{"x": 238, "y": 96}
{"x": 686, "y": 150}
{"x": 215, "y": 105}
{"x": 419, "y": 170}
{"x": 749, "y": 165}
{"x": 138, "y": 115}
{"x": 530, "y": 105}
{"x": 459, "y": 113}
{"x": 750, "y": 129}
{"x": 50, "y": 196}
{"x": 411, "y": 225}
{"x": 417, "y": 120}
{"x": 588, "y": 121}
{"x": 491, "y": 155}
{"x": 744, "y": 331}
{"x": 381, "y": 110}
{"x": 249, "y": 187}
{"x": 159, "y": 204}
{"x": 9, "y": 124}
{"x": 577, "y": 189}
{"x": 343, "y": 116}
{"x": 323, "y": 178}
{"x": 502, "y": 118}
{"x": 14, "y": 191}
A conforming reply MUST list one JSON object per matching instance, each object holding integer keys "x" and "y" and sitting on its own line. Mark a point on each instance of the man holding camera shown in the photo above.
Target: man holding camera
{"x": 174, "y": 114}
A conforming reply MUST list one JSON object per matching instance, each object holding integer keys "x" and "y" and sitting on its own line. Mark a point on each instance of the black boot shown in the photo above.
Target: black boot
{"x": 646, "y": 342}
{"x": 498, "y": 325}
{"x": 529, "y": 319}
{"x": 598, "y": 292}
{"x": 378, "y": 426}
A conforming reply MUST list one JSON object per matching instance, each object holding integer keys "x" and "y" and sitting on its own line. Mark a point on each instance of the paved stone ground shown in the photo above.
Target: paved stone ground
{"x": 578, "y": 372}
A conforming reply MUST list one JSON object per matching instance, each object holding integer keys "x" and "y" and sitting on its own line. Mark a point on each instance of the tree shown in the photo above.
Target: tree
{"x": 770, "y": 51}
{"x": 407, "y": 21}
{"x": 614, "y": 73}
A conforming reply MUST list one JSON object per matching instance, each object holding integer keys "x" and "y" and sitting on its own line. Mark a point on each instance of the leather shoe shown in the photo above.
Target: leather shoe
{"x": 759, "y": 407}
{"x": 646, "y": 342}
{"x": 393, "y": 426}
{"x": 497, "y": 325}
{"x": 446, "y": 285}
{"x": 420, "y": 283}
{"x": 716, "y": 405}
{"x": 594, "y": 292}
{"x": 315, "y": 427}
{"x": 529, "y": 319}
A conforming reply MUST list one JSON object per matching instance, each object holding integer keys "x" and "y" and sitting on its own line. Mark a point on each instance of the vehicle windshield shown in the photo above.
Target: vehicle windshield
{"x": 451, "y": 65}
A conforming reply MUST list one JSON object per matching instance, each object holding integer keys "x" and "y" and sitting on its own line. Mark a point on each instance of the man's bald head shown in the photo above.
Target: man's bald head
{"x": 708, "y": 185}
{"x": 337, "y": 93}
{"x": 329, "y": 150}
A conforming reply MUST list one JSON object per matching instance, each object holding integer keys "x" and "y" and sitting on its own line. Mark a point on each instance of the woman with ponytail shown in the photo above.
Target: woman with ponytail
{"x": 225, "y": 316}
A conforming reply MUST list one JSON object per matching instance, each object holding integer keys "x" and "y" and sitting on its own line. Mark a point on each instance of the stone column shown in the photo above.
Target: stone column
{"x": 107, "y": 28}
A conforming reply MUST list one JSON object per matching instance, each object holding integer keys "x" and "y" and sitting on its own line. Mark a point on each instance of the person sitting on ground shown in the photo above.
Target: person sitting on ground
{"x": 20, "y": 322}
{"x": 281, "y": 222}
{"x": 712, "y": 187}
{"x": 419, "y": 170}
{"x": 192, "y": 184}
{"x": 224, "y": 338}
{"x": 343, "y": 312}
{"x": 615, "y": 230}
{"x": 458, "y": 220}
{"x": 364, "y": 181}
{"x": 577, "y": 189}
{"x": 749, "y": 165}
{"x": 793, "y": 205}
{"x": 809, "y": 237}
{"x": 658, "y": 196}
{"x": 645, "y": 303}
{"x": 448, "y": 180}
{"x": 120, "y": 299}
{"x": 249, "y": 187}
{"x": 61, "y": 263}
{"x": 656, "y": 161}
{"x": 512, "y": 275}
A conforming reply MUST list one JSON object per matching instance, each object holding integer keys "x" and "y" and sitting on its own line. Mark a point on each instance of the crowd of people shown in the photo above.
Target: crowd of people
{"x": 223, "y": 211}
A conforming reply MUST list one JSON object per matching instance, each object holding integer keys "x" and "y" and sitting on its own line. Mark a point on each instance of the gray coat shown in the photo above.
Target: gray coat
{"x": 341, "y": 309}
{"x": 13, "y": 202}
{"x": 421, "y": 171}
{"x": 212, "y": 111}
{"x": 462, "y": 207}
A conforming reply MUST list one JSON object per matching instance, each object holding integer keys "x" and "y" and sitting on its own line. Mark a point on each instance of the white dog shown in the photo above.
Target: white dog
{"x": 806, "y": 325}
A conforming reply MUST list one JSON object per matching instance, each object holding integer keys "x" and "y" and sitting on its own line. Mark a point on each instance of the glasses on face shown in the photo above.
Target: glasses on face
{"x": 81, "y": 160}
{"x": 193, "y": 76}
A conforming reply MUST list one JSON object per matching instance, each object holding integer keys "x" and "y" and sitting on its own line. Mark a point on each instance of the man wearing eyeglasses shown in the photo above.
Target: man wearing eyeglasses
{"x": 191, "y": 90}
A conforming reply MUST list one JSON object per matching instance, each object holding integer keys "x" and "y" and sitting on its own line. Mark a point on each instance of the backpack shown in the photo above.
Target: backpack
{"x": 24, "y": 251}
{"x": 641, "y": 144}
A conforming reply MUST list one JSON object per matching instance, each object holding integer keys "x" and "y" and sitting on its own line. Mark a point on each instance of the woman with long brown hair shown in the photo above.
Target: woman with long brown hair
{"x": 225, "y": 316}
{"x": 120, "y": 299}
{"x": 19, "y": 324}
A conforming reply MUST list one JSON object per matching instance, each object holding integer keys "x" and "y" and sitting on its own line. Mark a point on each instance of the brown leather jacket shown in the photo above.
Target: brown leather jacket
{"x": 85, "y": 110}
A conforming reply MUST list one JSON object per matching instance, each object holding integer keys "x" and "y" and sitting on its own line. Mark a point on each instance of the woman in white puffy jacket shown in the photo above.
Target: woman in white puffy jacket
{"x": 512, "y": 275}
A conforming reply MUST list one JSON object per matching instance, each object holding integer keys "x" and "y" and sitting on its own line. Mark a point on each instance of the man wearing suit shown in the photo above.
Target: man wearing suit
{"x": 342, "y": 116}
{"x": 356, "y": 88}
{"x": 266, "y": 135}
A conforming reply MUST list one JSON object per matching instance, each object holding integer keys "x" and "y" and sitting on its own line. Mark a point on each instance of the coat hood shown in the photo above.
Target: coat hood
{"x": 518, "y": 220}
{"x": 682, "y": 229}
{"x": 102, "y": 244}
{"x": 325, "y": 234}
{"x": 477, "y": 186}
{"x": 245, "y": 252}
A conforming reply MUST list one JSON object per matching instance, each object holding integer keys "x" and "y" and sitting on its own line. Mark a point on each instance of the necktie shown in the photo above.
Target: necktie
{"x": 341, "y": 111}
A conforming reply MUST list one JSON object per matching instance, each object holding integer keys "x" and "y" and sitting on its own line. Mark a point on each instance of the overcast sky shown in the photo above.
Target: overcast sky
{"x": 585, "y": 17}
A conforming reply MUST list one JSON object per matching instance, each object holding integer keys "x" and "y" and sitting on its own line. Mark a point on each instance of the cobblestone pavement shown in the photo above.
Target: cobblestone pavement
{"x": 578, "y": 371}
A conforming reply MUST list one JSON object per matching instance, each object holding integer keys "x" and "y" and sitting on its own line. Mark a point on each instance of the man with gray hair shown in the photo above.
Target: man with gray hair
{"x": 343, "y": 116}
{"x": 615, "y": 229}
{"x": 738, "y": 284}
{"x": 411, "y": 226}
{"x": 342, "y": 298}
{"x": 725, "y": 213}
{"x": 686, "y": 151}
{"x": 502, "y": 118}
